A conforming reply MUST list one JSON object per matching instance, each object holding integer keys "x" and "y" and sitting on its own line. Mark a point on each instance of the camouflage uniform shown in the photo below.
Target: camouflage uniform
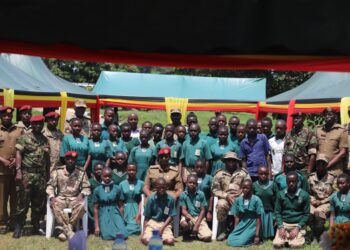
{"x": 66, "y": 188}
{"x": 26, "y": 130}
{"x": 85, "y": 126}
{"x": 225, "y": 184}
{"x": 35, "y": 152}
{"x": 55, "y": 139}
{"x": 302, "y": 145}
{"x": 320, "y": 190}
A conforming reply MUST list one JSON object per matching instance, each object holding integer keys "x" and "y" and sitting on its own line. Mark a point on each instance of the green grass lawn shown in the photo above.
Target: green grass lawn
{"x": 39, "y": 242}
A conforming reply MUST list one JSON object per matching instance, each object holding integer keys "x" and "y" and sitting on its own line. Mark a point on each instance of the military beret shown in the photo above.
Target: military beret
{"x": 37, "y": 118}
{"x": 25, "y": 107}
{"x": 297, "y": 113}
{"x": 231, "y": 155}
{"x": 164, "y": 151}
{"x": 6, "y": 109}
{"x": 52, "y": 115}
{"x": 71, "y": 153}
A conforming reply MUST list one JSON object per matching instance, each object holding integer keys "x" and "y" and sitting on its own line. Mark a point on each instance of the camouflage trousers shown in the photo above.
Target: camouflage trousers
{"x": 31, "y": 191}
{"x": 223, "y": 208}
{"x": 63, "y": 219}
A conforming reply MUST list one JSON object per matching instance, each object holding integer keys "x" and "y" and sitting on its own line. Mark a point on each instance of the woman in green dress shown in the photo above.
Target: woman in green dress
{"x": 264, "y": 189}
{"x": 99, "y": 149}
{"x": 132, "y": 191}
{"x": 108, "y": 208}
{"x": 142, "y": 155}
{"x": 247, "y": 210}
{"x": 75, "y": 142}
{"x": 340, "y": 201}
{"x": 220, "y": 148}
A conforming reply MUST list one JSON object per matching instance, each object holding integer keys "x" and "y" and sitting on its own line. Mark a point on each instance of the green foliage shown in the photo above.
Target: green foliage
{"x": 314, "y": 120}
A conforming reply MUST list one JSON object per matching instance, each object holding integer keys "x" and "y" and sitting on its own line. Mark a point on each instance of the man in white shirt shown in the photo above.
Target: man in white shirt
{"x": 277, "y": 145}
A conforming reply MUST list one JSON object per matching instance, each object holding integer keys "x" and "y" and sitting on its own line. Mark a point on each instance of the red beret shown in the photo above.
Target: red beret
{"x": 25, "y": 107}
{"x": 71, "y": 153}
{"x": 164, "y": 151}
{"x": 52, "y": 115}
{"x": 37, "y": 118}
{"x": 6, "y": 109}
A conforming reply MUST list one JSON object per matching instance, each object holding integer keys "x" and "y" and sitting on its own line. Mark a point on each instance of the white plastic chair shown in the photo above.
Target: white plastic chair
{"x": 50, "y": 219}
{"x": 215, "y": 220}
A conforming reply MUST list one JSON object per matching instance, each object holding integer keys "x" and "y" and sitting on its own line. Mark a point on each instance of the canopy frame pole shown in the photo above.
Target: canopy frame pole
{"x": 63, "y": 110}
{"x": 9, "y": 97}
{"x": 291, "y": 110}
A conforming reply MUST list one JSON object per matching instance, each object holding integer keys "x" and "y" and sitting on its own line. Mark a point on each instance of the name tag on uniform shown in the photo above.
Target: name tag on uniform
{"x": 222, "y": 146}
{"x": 300, "y": 200}
{"x": 166, "y": 210}
{"x": 131, "y": 187}
{"x": 343, "y": 197}
{"x": 143, "y": 150}
{"x": 97, "y": 144}
{"x": 199, "y": 180}
{"x": 77, "y": 140}
{"x": 246, "y": 202}
{"x": 67, "y": 210}
{"x": 197, "y": 152}
{"x": 114, "y": 144}
{"x": 175, "y": 154}
{"x": 107, "y": 189}
{"x": 197, "y": 204}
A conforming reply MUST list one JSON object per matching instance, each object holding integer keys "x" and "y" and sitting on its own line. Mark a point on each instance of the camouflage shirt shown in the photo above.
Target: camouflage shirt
{"x": 26, "y": 130}
{"x": 35, "y": 151}
{"x": 302, "y": 145}
{"x": 68, "y": 185}
{"x": 225, "y": 183}
{"x": 321, "y": 190}
{"x": 55, "y": 139}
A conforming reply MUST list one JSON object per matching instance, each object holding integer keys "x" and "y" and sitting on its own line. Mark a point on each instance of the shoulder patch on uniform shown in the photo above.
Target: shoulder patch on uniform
{"x": 174, "y": 168}
{"x": 154, "y": 167}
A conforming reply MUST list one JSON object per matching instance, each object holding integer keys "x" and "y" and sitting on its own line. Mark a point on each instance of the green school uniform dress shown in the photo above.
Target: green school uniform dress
{"x": 266, "y": 193}
{"x": 218, "y": 151}
{"x": 281, "y": 182}
{"x": 159, "y": 208}
{"x": 192, "y": 150}
{"x": 117, "y": 146}
{"x": 233, "y": 139}
{"x": 193, "y": 202}
{"x": 109, "y": 217}
{"x": 134, "y": 142}
{"x": 93, "y": 184}
{"x": 211, "y": 139}
{"x": 248, "y": 211}
{"x": 132, "y": 193}
{"x": 175, "y": 151}
{"x": 99, "y": 151}
{"x": 340, "y": 205}
{"x": 143, "y": 158}
{"x": 79, "y": 144}
{"x": 118, "y": 176}
{"x": 204, "y": 185}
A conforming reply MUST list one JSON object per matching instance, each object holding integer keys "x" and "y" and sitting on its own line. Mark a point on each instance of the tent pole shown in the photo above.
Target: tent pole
{"x": 9, "y": 97}
{"x": 63, "y": 111}
{"x": 95, "y": 112}
{"x": 291, "y": 109}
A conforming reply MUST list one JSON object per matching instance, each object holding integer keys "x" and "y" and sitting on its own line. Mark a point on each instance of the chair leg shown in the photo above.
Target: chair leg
{"x": 50, "y": 220}
{"x": 142, "y": 208}
{"x": 85, "y": 218}
{"x": 215, "y": 220}
{"x": 176, "y": 222}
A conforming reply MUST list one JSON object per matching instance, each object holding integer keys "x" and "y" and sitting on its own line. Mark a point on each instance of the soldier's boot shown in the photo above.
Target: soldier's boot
{"x": 222, "y": 231}
{"x": 17, "y": 233}
{"x": 68, "y": 231}
{"x": 318, "y": 228}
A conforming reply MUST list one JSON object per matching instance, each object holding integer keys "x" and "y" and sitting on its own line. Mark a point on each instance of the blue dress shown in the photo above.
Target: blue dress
{"x": 340, "y": 205}
{"x": 110, "y": 220}
{"x": 132, "y": 194}
{"x": 79, "y": 144}
{"x": 248, "y": 211}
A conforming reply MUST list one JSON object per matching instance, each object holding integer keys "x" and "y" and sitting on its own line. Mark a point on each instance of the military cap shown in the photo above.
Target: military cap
{"x": 322, "y": 157}
{"x": 231, "y": 155}
{"x": 175, "y": 111}
{"x": 164, "y": 151}
{"x": 80, "y": 103}
{"x": 6, "y": 109}
{"x": 25, "y": 107}
{"x": 37, "y": 118}
{"x": 297, "y": 113}
{"x": 71, "y": 153}
{"x": 52, "y": 115}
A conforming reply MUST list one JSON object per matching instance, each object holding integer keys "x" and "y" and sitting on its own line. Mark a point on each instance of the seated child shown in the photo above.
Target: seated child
{"x": 159, "y": 213}
{"x": 118, "y": 165}
{"x": 108, "y": 208}
{"x": 132, "y": 191}
{"x": 340, "y": 201}
{"x": 246, "y": 210}
{"x": 193, "y": 207}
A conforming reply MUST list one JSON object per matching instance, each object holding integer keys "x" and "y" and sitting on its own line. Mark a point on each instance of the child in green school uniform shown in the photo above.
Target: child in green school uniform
{"x": 193, "y": 208}
{"x": 340, "y": 201}
{"x": 128, "y": 141}
{"x": 159, "y": 213}
{"x": 264, "y": 189}
{"x": 94, "y": 181}
{"x": 115, "y": 144}
{"x": 247, "y": 211}
{"x": 118, "y": 165}
{"x": 132, "y": 191}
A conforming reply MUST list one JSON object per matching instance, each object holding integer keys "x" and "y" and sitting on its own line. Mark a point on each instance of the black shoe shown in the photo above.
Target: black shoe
{"x": 17, "y": 232}
{"x": 186, "y": 237}
{"x": 222, "y": 236}
{"x": 4, "y": 229}
{"x": 36, "y": 230}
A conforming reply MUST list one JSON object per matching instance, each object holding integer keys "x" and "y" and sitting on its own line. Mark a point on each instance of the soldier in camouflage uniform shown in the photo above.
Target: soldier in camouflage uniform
{"x": 321, "y": 187}
{"x": 302, "y": 143}
{"x": 227, "y": 187}
{"x": 25, "y": 113}
{"x": 67, "y": 188}
{"x": 32, "y": 166}
{"x": 79, "y": 108}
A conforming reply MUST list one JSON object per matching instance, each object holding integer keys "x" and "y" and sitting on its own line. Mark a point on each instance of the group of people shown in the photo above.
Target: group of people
{"x": 268, "y": 185}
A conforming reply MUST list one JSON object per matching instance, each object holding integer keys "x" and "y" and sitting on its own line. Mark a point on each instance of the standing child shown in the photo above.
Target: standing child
{"x": 340, "y": 201}
{"x": 118, "y": 165}
{"x": 94, "y": 181}
{"x": 247, "y": 210}
{"x": 264, "y": 189}
{"x": 132, "y": 191}
{"x": 108, "y": 208}
{"x": 116, "y": 144}
{"x": 193, "y": 208}
{"x": 159, "y": 213}
{"x": 129, "y": 141}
